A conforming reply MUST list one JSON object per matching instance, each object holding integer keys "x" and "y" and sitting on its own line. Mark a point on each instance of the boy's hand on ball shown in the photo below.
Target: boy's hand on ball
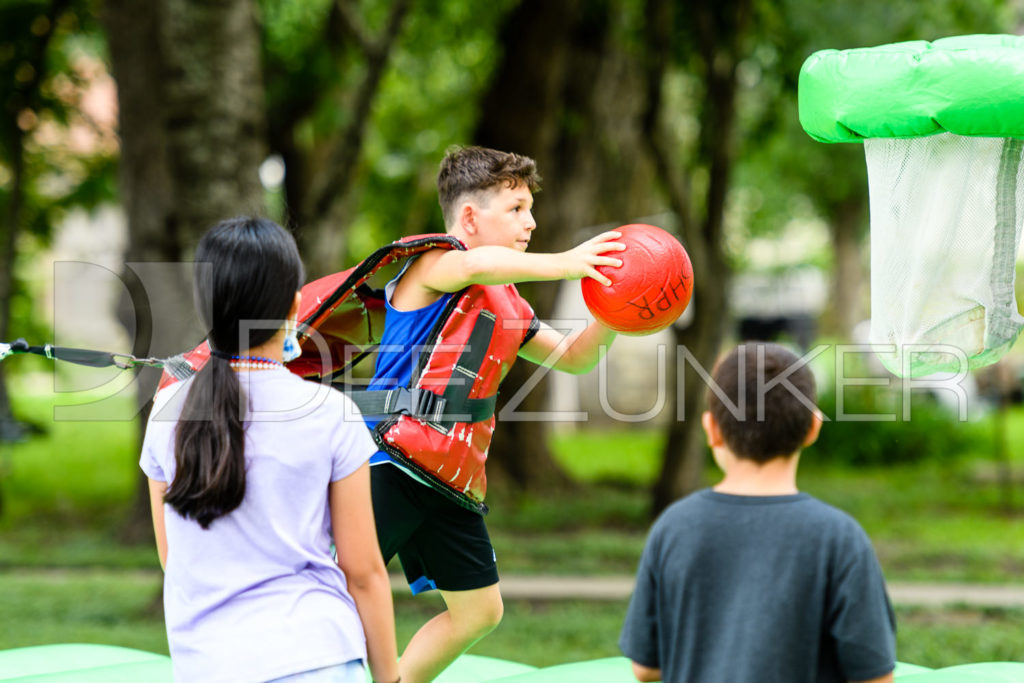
{"x": 651, "y": 287}
{"x": 582, "y": 260}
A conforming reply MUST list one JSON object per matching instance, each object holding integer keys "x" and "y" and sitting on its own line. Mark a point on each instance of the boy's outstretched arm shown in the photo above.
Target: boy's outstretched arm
{"x": 451, "y": 271}
{"x": 577, "y": 352}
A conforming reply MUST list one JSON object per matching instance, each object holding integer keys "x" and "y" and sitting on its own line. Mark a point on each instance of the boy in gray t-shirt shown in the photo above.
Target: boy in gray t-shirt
{"x": 752, "y": 580}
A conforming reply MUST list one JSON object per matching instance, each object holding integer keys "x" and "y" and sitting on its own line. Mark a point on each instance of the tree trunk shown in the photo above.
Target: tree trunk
{"x": 719, "y": 30}
{"x": 520, "y": 114}
{"x": 10, "y": 428}
{"x": 190, "y": 99}
{"x": 846, "y": 300}
{"x": 685, "y": 452}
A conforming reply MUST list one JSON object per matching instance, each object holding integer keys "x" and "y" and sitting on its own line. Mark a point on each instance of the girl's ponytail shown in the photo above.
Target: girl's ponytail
{"x": 209, "y": 446}
{"x": 247, "y": 271}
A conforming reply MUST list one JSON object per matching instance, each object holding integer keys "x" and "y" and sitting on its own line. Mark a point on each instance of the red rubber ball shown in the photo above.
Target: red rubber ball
{"x": 652, "y": 287}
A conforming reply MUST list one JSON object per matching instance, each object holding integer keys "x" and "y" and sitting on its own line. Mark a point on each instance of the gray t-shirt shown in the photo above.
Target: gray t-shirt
{"x": 779, "y": 589}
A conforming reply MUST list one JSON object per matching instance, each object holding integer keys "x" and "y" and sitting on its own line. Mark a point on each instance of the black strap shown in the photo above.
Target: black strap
{"x": 93, "y": 359}
{"x": 468, "y": 366}
{"x": 87, "y": 357}
{"x": 422, "y": 404}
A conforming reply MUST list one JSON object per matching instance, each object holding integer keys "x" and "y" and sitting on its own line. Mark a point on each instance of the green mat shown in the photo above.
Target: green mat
{"x": 904, "y": 669}
{"x": 610, "y": 670}
{"x": 478, "y": 669}
{"x": 985, "y": 672}
{"x": 83, "y": 663}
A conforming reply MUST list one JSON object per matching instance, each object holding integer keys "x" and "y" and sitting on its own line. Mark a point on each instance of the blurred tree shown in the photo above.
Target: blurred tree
{"x": 783, "y": 163}
{"x": 192, "y": 125}
{"x": 46, "y": 53}
{"x": 737, "y": 63}
{"x": 324, "y": 66}
{"x": 429, "y": 99}
{"x": 567, "y": 93}
{"x": 199, "y": 116}
{"x": 709, "y": 41}
{"x": 29, "y": 28}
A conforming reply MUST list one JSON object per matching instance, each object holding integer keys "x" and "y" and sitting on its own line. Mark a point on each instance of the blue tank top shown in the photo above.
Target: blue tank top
{"x": 405, "y": 333}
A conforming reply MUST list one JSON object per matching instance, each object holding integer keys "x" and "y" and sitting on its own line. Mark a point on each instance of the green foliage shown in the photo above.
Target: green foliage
{"x": 427, "y": 102}
{"x": 785, "y": 171}
{"x": 48, "y": 60}
{"x": 871, "y": 425}
{"x": 427, "y": 98}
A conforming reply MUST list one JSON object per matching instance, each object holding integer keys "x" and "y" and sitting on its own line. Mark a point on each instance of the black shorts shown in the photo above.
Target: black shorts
{"x": 439, "y": 543}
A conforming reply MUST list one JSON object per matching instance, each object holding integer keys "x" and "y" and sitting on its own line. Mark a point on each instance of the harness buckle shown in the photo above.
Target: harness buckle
{"x": 425, "y": 404}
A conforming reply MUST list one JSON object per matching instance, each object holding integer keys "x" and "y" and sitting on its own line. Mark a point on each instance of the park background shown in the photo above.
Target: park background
{"x": 130, "y": 126}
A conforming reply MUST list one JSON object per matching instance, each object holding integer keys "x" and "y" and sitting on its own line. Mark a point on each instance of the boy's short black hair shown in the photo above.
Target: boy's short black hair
{"x": 765, "y": 409}
{"x": 476, "y": 169}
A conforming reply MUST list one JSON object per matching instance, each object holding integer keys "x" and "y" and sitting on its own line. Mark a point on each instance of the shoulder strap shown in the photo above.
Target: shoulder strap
{"x": 324, "y": 295}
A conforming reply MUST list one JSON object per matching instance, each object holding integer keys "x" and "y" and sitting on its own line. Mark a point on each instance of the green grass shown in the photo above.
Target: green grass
{"x": 588, "y": 552}
{"x": 929, "y": 521}
{"x": 619, "y": 456}
{"x": 46, "y": 545}
{"x": 539, "y": 633}
{"x": 97, "y": 606}
{"x": 938, "y": 638}
{"x": 78, "y": 471}
{"x": 67, "y": 495}
{"x": 935, "y": 520}
{"x": 122, "y": 608}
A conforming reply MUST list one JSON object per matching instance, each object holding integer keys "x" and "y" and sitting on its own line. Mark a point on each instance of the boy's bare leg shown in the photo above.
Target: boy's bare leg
{"x": 471, "y": 615}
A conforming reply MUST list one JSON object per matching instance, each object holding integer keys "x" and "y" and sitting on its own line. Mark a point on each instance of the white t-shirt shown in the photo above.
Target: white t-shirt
{"x": 257, "y": 595}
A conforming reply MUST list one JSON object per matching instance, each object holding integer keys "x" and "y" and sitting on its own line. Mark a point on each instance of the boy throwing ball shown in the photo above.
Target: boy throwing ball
{"x": 428, "y": 479}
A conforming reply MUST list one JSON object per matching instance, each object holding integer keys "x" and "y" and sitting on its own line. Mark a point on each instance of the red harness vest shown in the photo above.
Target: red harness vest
{"x": 440, "y": 426}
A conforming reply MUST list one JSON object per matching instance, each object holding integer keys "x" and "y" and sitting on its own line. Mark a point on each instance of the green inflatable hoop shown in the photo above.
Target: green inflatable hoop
{"x": 968, "y": 85}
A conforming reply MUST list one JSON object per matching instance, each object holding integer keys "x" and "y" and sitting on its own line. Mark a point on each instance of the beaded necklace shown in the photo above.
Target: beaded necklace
{"x": 254, "y": 363}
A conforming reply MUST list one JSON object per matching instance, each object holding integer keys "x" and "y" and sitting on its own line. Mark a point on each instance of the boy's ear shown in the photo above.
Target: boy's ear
{"x": 711, "y": 429}
{"x": 467, "y": 218}
{"x": 293, "y": 312}
{"x": 812, "y": 433}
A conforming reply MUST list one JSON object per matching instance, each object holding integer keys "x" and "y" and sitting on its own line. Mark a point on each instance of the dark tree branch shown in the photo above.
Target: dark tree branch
{"x": 658, "y": 36}
{"x": 346, "y": 11}
{"x": 718, "y": 32}
{"x": 344, "y": 156}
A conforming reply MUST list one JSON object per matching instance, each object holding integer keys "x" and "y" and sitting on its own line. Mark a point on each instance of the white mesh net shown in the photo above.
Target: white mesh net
{"x": 946, "y": 215}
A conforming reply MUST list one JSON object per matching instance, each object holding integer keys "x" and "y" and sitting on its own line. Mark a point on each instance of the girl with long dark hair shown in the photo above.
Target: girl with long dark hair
{"x": 252, "y": 473}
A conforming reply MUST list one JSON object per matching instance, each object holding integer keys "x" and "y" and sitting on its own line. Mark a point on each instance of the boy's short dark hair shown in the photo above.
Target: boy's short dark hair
{"x": 476, "y": 169}
{"x": 770, "y": 394}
